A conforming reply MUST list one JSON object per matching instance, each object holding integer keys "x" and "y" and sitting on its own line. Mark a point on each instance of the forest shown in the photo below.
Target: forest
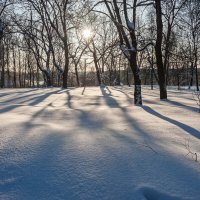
{"x": 46, "y": 43}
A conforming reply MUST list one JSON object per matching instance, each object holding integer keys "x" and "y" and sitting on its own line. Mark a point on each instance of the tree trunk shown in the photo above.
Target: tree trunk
{"x": 151, "y": 77}
{"x": 33, "y": 77}
{"x": 96, "y": 63}
{"x": 191, "y": 75}
{"x": 77, "y": 76}
{"x": 66, "y": 69}
{"x": 136, "y": 73}
{"x": 196, "y": 73}
{"x": 1, "y": 30}
{"x": 85, "y": 65}
{"x": 38, "y": 77}
{"x": 30, "y": 77}
{"x": 158, "y": 50}
{"x": 14, "y": 69}
{"x": 25, "y": 72}
{"x": 127, "y": 78}
{"x": 97, "y": 70}
{"x": 2, "y": 64}
{"x": 119, "y": 73}
{"x": 49, "y": 82}
{"x": 166, "y": 56}
{"x": 20, "y": 69}
{"x": 65, "y": 78}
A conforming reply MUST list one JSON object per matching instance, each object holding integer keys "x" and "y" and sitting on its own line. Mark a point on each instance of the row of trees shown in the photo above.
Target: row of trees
{"x": 67, "y": 42}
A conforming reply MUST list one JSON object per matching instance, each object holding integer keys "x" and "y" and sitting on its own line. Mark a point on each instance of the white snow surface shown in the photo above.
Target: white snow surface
{"x": 131, "y": 25}
{"x": 94, "y": 144}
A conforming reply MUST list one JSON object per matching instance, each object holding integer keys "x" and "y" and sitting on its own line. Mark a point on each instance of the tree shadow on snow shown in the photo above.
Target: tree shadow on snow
{"x": 190, "y": 130}
{"x": 35, "y": 99}
{"x": 129, "y": 99}
{"x": 62, "y": 165}
{"x": 110, "y": 101}
{"x": 191, "y": 108}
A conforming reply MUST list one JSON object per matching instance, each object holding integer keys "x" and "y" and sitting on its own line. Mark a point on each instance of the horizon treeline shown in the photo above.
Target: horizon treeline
{"x": 64, "y": 43}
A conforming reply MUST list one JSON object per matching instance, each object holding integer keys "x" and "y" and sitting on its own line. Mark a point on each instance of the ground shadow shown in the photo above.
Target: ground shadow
{"x": 63, "y": 165}
{"x": 190, "y": 130}
{"x": 35, "y": 99}
{"x": 191, "y": 108}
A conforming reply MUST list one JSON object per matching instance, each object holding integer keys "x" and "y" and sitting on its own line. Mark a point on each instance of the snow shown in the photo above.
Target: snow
{"x": 130, "y": 25}
{"x": 59, "y": 68}
{"x": 59, "y": 144}
{"x": 126, "y": 51}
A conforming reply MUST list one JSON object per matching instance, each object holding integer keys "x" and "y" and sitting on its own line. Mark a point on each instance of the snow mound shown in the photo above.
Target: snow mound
{"x": 150, "y": 193}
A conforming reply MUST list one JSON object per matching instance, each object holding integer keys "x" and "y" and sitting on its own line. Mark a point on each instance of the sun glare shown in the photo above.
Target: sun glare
{"x": 87, "y": 33}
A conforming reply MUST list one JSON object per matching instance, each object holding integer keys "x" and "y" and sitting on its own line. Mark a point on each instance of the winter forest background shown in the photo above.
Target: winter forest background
{"x": 87, "y": 43}
{"x": 99, "y": 100}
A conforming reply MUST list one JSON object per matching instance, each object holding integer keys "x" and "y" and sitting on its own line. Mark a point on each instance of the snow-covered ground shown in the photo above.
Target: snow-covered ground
{"x": 94, "y": 144}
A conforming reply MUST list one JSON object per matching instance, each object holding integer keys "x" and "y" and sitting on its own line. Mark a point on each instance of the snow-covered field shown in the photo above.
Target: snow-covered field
{"x": 94, "y": 144}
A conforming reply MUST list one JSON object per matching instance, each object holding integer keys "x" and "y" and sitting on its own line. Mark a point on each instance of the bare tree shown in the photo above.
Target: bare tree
{"x": 158, "y": 50}
{"x": 4, "y": 4}
{"x": 126, "y": 28}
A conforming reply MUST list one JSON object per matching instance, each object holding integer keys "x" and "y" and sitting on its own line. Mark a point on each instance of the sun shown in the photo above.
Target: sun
{"x": 87, "y": 33}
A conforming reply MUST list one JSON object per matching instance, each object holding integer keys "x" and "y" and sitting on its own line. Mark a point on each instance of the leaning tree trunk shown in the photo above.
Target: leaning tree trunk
{"x": 158, "y": 50}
